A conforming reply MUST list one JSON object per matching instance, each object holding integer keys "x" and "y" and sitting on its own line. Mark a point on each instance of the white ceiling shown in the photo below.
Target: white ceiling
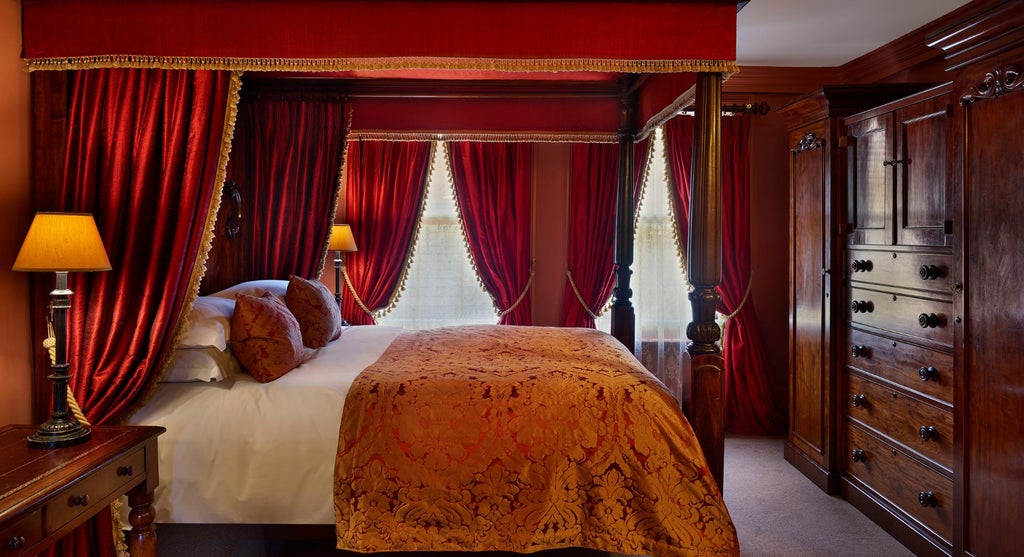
{"x": 827, "y": 33}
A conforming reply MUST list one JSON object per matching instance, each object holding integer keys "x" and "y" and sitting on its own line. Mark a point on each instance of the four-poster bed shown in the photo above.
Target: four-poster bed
{"x": 671, "y": 54}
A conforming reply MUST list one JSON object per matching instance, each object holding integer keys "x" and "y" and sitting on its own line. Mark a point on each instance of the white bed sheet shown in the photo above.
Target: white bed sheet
{"x": 242, "y": 452}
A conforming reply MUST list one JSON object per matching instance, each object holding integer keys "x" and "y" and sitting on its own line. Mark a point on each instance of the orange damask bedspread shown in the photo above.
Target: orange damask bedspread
{"x": 521, "y": 439}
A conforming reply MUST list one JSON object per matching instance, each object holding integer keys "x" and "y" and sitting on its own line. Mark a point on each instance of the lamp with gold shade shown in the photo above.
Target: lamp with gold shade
{"x": 61, "y": 243}
{"x": 341, "y": 241}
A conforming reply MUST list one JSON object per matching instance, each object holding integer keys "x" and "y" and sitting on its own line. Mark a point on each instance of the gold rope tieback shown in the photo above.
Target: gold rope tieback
{"x": 521, "y": 294}
{"x": 579, "y": 296}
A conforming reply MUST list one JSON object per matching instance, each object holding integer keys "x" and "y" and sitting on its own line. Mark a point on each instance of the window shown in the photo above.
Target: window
{"x": 658, "y": 282}
{"x": 441, "y": 288}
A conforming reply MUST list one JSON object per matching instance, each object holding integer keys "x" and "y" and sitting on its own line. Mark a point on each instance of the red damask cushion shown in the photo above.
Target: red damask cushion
{"x": 316, "y": 310}
{"x": 265, "y": 337}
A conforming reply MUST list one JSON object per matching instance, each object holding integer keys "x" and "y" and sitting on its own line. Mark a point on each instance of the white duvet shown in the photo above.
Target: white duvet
{"x": 242, "y": 452}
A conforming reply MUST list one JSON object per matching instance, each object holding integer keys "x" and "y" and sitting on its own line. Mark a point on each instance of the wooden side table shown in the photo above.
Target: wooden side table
{"x": 46, "y": 493}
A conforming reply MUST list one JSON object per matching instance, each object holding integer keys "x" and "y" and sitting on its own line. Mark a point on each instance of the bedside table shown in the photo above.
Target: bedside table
{"x": 46, "y": 493}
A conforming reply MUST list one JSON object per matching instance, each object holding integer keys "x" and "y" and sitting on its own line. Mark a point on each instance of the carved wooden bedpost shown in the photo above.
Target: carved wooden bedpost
{"x": 704, "y": 270}
{"x": 623, "y": 316}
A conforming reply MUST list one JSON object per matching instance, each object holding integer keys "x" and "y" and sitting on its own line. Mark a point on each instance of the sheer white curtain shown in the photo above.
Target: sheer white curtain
{"x": 659, "y": 281}
{"x": 441, "y": 288}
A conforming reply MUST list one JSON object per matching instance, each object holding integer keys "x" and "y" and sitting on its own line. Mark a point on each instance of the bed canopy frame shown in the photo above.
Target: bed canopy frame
{"x": 588, "y": 71}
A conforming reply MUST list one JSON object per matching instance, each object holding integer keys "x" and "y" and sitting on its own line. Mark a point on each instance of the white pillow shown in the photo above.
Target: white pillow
{"x": 255, "y": 288}
{"x": 200, "y": 364}
{"x": 210, "y": 323}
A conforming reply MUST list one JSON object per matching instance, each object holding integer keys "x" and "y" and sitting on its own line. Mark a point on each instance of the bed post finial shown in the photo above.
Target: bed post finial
{"x": 704, "y": 270}
{"x": 623, "y": 316}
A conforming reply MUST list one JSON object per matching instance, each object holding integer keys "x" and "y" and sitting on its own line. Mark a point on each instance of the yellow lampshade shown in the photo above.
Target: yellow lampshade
{"x": 342, "y": 239}
{"x": 58, "y": 242}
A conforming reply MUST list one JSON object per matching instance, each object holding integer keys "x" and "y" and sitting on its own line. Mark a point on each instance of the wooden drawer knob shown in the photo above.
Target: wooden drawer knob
{"x": 929, "y": 320}
{"x": 859, "y": 351}
{"x": 859, "y": 400}
{"x": 862, "y": 306}
{"x": 126, "y": 470}
{"x": 929, "y": 272}
{"x": 928, "y": 433}
{"x": 862, "y": 266}
{"x": 927, "y": 499}
{"x": 928, "y": 373}
{"x": 858, "y": 455}
{"x": 78, "y": 500}
{"x": 16, "y": 543}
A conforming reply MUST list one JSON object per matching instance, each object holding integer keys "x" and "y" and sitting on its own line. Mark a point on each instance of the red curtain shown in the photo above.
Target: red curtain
{"x": 295, "y": 147}
{"x": 594, "y": 175}
{"x": 591, "y": 250}
{"x": 750, "y": 407}
{"x": 143, "y": 153}
{"x": 384, "y": 190}
{"x": 493, "y": 189}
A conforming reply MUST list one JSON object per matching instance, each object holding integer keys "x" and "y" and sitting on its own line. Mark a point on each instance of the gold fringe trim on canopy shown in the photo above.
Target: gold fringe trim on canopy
{"x": 205, "y": 245}
{"x": 382, "y": 63}
{"x": 664, "y": 115}
{"x": 485, "y": 137}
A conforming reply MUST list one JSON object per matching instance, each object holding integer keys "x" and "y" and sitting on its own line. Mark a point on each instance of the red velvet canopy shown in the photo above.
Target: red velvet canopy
{"x": 586, "y": 54}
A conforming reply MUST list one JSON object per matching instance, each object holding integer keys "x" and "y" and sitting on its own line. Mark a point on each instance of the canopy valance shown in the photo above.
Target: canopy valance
{"x": 325, "y": 35}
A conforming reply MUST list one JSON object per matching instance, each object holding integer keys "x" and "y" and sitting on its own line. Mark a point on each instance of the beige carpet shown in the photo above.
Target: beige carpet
{"x": 777, "y": 512}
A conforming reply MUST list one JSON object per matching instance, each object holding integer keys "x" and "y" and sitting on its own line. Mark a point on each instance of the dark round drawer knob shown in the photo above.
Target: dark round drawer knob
{"x": 929, "y": 272}
{"x": 928, "y": 433}
{"x": 126, "y": 470}
{"x": 16, "y": 543}
{"x": 928, "y": 373}
{"x": 858, "y": 455}
{"x": 859, "y": 400}
{"x": 862, "y": 266}
{"x": 859, "y": 351}
{"x": 862, "y": 306}
{"x": 929, "y": 320}
{"x": 927, "y": 499}
{"x": 78, "y": 500}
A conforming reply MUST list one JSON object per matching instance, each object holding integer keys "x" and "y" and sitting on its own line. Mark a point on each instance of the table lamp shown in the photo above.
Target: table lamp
{"x": 341, "y": 241}
{"x": 61, "y": 243}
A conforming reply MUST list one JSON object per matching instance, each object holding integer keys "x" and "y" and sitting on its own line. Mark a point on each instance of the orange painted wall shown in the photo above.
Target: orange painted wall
{"x": 15, "y": 204}
{"x": 551, "y": 162}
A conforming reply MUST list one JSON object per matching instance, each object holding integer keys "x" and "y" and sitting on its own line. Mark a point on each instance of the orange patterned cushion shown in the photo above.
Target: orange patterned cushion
{"x": 316, "y": 310}
{"x": 265, "y": 337}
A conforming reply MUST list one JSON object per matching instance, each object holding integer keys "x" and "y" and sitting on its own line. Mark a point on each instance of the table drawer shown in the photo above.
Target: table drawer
{"x": 94, "y": 490}
{"x": 916, "y": 315}
{"x": 917, "y": 270}
{"x": 929, "y": 372}
{"x": 23, "y": 534}
{"x": 919, "y": 426}
{"x": 920, "y": 492}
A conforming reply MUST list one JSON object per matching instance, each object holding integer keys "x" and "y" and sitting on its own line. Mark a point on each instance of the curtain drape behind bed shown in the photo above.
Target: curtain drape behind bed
{"x": 295, "y": 147}
{"x": 749, "y": 400}
{"x": 384, "y": 190}
{"x": 493, "y": 190}
{"x": 145, "y": 150}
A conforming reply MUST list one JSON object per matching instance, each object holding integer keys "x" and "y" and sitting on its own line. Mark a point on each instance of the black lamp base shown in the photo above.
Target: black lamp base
{"x": 58, "y": 433}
